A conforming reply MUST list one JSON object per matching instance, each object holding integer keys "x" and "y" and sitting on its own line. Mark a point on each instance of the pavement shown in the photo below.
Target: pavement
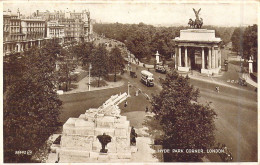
{"x": 82, "y": 86}
{"x": 249, "y": 80}
{"x": 235, "y": 105}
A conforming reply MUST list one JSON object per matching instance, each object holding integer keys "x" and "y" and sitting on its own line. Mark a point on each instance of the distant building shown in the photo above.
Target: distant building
{"x": 12, "y": 33}
{"x": 34, "y": 30}
{"x": 22, "y": 32}
{"x": 55, "y": 30}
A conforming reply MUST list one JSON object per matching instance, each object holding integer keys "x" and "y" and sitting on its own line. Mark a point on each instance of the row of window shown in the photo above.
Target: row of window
{"x": 15, "y": 23}
{"x": 52, "y": 30}
{"x": 15, "y": 37}
{"x": 15, "y": 29}
{"x": 35, "y": 24}
{"x": 51, "y": 33}
{"x": 35, "y": 29}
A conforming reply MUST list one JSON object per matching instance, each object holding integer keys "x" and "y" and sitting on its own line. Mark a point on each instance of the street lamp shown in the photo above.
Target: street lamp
{"x": 128, "y": 89}
{"x": 128, "y": 61}
{"x": 90, "y": 67}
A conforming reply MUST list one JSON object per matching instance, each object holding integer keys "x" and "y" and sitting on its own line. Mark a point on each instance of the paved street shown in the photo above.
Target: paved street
{"x": 237, "y": 114}
{"x": 235, "y": 105}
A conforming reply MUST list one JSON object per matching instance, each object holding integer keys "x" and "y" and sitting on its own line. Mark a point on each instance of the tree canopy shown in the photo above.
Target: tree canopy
{"x": 116, "y": 61}
{"x": 244, "y": 41}
{"x": 186, "y": 123}
{"x": 144, "y": 40}
{"x": 99, "y": 61}
{"x": 31, "y": 105}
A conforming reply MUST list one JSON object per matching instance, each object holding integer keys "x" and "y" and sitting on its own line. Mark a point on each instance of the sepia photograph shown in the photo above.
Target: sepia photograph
{"x": 130, "y": 81}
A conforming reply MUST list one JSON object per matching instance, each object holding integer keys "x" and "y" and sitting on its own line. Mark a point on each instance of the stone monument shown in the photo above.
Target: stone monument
{"x": 84, "y": 139}
{"x": 198, "y": 49}
{"x": 157, "y": 57}
{"x": 250, "y": 67}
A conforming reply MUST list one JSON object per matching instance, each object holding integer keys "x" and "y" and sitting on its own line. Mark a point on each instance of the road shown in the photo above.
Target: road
{"x": 236, "y": 109}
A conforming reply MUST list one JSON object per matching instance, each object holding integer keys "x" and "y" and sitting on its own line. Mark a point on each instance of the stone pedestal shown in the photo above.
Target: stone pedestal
{"x": 250, "y": 67}
{"x": 183, "y": 69}
{"x": 79, "y": 137}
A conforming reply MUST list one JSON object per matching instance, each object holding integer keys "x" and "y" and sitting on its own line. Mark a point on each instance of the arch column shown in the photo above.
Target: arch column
{"x": 213, "y": 59}
{"x": 203, "y": 58}
{"x": 186, "y": 57}
{"x": 209, "y": 59}
{"x": 179, "y": 56}
{"x": 216, "y": 54}
{"x": 219, "y": 56}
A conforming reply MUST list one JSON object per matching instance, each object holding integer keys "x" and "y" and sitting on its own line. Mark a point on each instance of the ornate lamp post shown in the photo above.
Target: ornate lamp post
{"x": 90, "y": 67}
{"x": 128, "y": 85}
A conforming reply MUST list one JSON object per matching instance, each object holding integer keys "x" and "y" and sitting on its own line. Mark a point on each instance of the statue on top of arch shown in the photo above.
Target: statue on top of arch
{"x": 198, "y": 21}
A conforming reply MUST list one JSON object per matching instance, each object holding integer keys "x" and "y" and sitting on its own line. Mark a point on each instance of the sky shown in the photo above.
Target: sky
{"x": 155, "y": 13}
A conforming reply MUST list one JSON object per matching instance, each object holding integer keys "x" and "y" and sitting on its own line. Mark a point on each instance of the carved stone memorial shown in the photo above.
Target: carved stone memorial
{"x": 101, "y": 134}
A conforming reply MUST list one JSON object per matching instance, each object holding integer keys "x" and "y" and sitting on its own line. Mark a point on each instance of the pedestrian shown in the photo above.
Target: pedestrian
{"x": 125, "y": 104}
{"x": 146, "y": 109}
{"x": 217, "y": 89}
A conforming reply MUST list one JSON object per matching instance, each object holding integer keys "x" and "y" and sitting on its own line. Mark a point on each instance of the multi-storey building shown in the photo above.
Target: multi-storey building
{"x": 73, "y": 28}
{"x": 49, "y": 16}
{"x": 12, "y": 33}
{"x": 21, "y": 33}
{"x": 55, "y": 30}
{"x": 34, "y": 31}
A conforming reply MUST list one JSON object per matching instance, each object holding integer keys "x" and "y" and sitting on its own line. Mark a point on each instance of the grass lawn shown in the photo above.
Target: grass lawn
{"x": 146, "y": 61}
{"x": 238, "y": 63}
{"x": 77, "y": 104}
{"x": 110, "y": 77}
{"x": 101, "y": 83}
{"x": 135, "y": 109}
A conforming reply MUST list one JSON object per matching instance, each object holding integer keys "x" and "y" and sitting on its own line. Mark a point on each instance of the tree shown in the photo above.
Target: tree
{"x": 66, "y": 65}
{"x": 250, "y": 42}
{"x": 82, "y": 51}
{"x": 31, "y": 106}
{"x": 186, "y": 123}
{"x": 116, "y": 61}
{"x": 99, "y": 62}
{"x": 12, "y": 68}
{"x": 237, "y": 40}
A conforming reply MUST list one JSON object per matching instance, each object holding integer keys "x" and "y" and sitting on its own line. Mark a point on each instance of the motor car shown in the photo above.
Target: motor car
{"x": 160, "y": 69}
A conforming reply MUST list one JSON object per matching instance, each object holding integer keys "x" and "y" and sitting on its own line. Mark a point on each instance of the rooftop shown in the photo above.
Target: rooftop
{"x": 197, "y": 35}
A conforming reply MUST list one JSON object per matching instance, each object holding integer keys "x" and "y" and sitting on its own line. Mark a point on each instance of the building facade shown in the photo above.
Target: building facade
{"x": 55, "y": 30}
{"x": 20, "y": 33}
{"x": 13, "y": 35}
{"x": 198, "y": 49}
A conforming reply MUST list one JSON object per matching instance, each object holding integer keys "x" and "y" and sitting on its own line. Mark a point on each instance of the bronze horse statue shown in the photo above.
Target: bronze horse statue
{"x": 195, "y": 24}
{"x": 198, "y": 21}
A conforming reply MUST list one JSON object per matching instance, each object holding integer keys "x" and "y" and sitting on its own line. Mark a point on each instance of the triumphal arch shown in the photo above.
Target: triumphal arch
{"x": 198, "y": 49}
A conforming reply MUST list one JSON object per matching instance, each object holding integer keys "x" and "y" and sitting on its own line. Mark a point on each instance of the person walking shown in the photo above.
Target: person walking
{"x": 125, "y": 104}
{"x": 146, "y": 109}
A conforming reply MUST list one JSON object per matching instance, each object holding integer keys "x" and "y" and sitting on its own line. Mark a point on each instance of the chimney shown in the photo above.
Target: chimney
{"x": 18, "y": 13}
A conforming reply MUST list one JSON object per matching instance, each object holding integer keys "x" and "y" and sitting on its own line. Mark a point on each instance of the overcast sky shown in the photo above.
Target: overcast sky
{"x": 222, "y": 14}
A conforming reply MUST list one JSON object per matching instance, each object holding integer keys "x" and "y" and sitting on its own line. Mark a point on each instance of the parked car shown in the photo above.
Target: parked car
{"x": 133, "y": 74}
{"x": 160, "y": 69}
{"x": 242, "y": 82}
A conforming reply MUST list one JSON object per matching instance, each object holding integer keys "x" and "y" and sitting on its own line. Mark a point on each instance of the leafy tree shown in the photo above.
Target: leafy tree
{"x": 99, "y": 62}
{"x": 31, "y": 105}
{"x": 66, "y": 65}
{"x": 12, "y": 68}
{"x": 250, "y": 42}
{"x": 237, "y": 40}
{"x": 186, "y": 123}
{"x": 116, "y": 61}
{"x": 144, "y": 40}
{"x": 82, "y": 51}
